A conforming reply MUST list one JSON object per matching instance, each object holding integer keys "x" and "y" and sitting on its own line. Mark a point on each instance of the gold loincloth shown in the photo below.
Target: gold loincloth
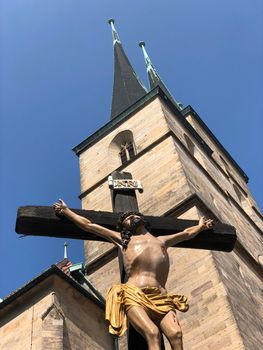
{"x": 120, "y": 298}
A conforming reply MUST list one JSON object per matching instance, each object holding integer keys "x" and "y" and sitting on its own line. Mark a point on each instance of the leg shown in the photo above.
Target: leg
{"x": 170, "y": 327}
{"x": 138, "y": 317}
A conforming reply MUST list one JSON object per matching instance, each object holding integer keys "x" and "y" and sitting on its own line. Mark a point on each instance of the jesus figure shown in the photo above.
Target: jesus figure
{"x": 143, "y": 300}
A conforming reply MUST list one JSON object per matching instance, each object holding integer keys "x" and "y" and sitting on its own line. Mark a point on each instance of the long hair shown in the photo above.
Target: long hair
{"x": 125, "y": 233}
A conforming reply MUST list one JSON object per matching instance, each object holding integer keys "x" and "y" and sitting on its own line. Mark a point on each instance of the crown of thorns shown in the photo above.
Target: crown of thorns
{"x": 124, "y": 216}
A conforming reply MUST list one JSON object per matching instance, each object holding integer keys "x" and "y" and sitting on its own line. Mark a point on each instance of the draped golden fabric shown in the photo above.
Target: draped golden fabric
{"x": 120, "y": 298}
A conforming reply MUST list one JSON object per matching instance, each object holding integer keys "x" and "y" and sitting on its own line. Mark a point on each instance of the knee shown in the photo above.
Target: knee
{"x": 176, "y": 336}
{"x": 152, "y": 333}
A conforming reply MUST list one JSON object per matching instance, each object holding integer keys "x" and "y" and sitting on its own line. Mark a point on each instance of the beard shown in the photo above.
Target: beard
{"x": 136, "y": 223}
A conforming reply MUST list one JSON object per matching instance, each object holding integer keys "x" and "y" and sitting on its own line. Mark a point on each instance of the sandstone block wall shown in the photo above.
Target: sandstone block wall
{"x": 239, "y": 274}
{"x": 53, "y": 316}
{"x": 173, "y": 166}
{"x": 21, "y": 324}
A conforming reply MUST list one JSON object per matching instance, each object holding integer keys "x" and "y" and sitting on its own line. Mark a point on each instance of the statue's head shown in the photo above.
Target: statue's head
{"x": 128, "y": 223}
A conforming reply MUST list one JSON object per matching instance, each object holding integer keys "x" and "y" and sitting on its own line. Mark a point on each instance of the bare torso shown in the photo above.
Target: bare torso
{"x": 146, "y": 261}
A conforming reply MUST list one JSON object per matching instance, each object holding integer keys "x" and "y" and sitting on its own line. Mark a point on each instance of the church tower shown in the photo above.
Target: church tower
{"x": 185, "y": 173}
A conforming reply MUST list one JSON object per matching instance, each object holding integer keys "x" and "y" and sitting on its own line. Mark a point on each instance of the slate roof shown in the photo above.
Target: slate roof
{"x": 61, "y": 269}
{"x": 127, "y": 87}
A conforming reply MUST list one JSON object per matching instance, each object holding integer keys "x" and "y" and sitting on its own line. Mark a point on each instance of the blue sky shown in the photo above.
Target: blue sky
{"x": 56, "y": 76}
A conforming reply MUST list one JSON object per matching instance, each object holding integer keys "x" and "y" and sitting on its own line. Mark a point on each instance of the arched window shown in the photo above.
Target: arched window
{"x": 126, "y": 152}
{"x": 122, "y": 148}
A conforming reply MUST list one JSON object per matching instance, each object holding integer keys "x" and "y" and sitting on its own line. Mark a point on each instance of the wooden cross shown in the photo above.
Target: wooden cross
{"x": 42, "y": 221}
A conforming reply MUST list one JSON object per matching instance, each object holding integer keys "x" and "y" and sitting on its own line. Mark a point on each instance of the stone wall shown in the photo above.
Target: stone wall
{"x": 238, "y": 274}
{"x": 173, "y": 166}
{"x": 53, "y": 316}
{"x": 21, "y": 323}
{"x": 244, "y": 291}
{"x": 239, "y": 189}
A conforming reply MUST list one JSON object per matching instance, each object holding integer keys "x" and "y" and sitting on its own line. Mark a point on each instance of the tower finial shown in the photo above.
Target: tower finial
{"x": 149, "y": 66}
{"x": 154, "y": 77}
{"x": 65, "y": 250}
{"x": 115, "y": 35}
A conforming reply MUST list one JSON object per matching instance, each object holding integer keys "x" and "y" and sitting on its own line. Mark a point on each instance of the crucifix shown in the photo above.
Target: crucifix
{"x": 44, "y": 222}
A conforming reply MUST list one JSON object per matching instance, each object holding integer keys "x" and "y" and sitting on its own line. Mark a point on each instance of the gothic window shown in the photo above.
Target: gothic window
{"x": 126, "y": 152}
{"x": 122, "y": 148}
{"x": 130, "y": 149}
{"x": 123, "y": 155}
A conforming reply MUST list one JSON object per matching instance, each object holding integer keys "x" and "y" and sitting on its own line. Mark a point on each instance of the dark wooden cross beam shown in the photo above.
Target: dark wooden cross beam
{"x": 42, "y": 221}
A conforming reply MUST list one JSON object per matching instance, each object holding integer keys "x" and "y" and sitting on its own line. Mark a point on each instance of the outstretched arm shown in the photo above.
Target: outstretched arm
{"x": 189, "y": 233}
{"x": 61, "y": 208}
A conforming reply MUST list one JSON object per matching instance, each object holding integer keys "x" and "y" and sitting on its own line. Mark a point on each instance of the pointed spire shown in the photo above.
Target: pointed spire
{"x": 127, "y": 87}
{"x": 65, "y": 250}
{"x": 154, "y": 77}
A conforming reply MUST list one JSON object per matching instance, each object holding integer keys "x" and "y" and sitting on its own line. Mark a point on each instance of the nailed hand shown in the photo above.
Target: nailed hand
{"x": 206, "y": 224}
{"x": 60, "y": 206}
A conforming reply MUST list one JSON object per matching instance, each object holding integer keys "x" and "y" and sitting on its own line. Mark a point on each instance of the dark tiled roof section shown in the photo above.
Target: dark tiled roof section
{"x": 64, "y": 265}
{"x": 54, "y": 269}
{"x": 127, "y": 88}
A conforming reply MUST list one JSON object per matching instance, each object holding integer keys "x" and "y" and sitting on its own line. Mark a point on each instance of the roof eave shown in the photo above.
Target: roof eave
{"x": 52, "y": 270}
{"x": 95, "y": 137}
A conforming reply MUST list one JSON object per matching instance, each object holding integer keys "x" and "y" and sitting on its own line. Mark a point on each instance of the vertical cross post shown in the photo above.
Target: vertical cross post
{"x": 124, "y": 199}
